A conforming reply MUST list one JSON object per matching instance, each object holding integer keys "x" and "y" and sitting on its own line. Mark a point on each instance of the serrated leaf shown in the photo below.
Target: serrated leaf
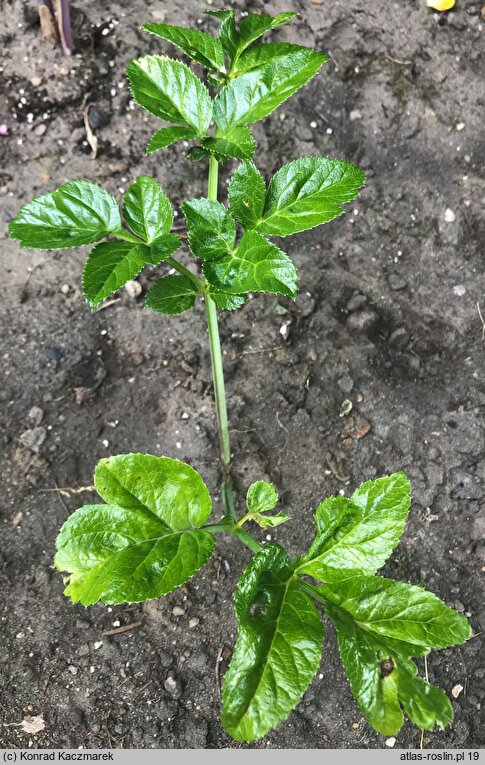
{"x": 200, "y": 46}
{"x": 254, "y": 95}
{"x": 255, "y": 266}
{"x": 308, "y": 192}
{"x": 259, "y": 55}
{"x": 211, "y": 228}
{"x": 169, "y": 90}
{"x": 255, "y": 25}
{"x": 77, "y": 213}
{"x": 225, "y": 301}
{"x": 228, "y": 34}
{"x": 237, "y": 142}
{"x": 147, "y": 209}
{"x": 167, "y": 136}
{"x": 261, "y": 496}
{"x": 356, "y": 536}
{"x": 109, "y": 266}
{"x": 379, "y": 667}
{"x": 172, "y": 295}
{"x": 270, "y": 521}
{"x": 247, "y": 195}
{"x": 198, "y": 154}
{"x": 163, "y": 247}
{"x": 278, "y": 647}
{"x": 146, "y": 541}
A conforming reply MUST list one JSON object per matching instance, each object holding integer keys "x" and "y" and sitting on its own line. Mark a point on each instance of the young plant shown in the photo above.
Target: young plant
{"x": 153, "y": 534}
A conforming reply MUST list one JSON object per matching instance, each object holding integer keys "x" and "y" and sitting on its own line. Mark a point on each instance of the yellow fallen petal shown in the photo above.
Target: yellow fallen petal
{"x": 440, "y": 5}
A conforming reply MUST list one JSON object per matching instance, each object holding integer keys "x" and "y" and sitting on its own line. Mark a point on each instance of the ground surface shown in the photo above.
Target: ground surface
{"x": 386, "y": 317}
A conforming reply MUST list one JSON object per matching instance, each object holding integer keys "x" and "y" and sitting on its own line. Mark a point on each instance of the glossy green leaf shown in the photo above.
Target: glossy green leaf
{"x": 255, "y": 266}
{"x": 237, "y": 142}
{"x": 163, "y": 247}
{"x": 259, "y": 55}
{"x": 109, "y": 266}
{"x": 277, "y": 651}
{"x": 356, "y": 536}
{"x": 77, "y": 213}
{"x": 146, "y": 541}
{"x": 147, "y": 209}
{"x": 261, "y": 496}
{"x": 228, "y": 34}
{"x": 168, "y": 135}
{"x": 170, "y": 91}
{"x": 377, "y": 658}
{"x": 255, "y": 25}
{"x": 306, "y": 193}
{"x": 211, "y": 228}
{"x": 200, "y": 46}
{"x": 254, "y": 95}
{"x": 247, "y": 195}
{"x": 171, "y": 295}
{"x": 225, "y": 301}
{"x": 198, "y": 154}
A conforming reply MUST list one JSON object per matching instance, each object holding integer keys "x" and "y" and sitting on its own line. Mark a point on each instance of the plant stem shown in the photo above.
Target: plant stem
{"x": 248, "y": 540}
{"x": 185, "y": 272}
{"x": 217, "y": 369}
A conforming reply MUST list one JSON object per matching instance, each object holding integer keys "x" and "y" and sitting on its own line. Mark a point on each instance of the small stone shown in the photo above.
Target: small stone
{"x": 362, "y": 321}
{"x": 345, "y": 384}
{"x": 63, "y": 71}
{"x": 285, "y": 329}
{"x": 65, "y": 289}
{"x": 36, "y": 81}
{"x": 313, "y": 125}
{"x": 35, "y": 415}
{"x": 171, "y": 685}
{"x": 20, "y": 635}
{"x": 98, "y": 118}
{"x": 396, "y": 282}
{"x": 82, "y": 395}
{"x": 399, "y": 339}
{"x": 450, "y": 216}
{"x": 98, "y": 644}
{"x": 72, "y": 669}
{"x": 459, "y": 290}
{"x": 40, "y": 129}
{"x": 345, "y": 408}
{"x": 460, "y": 126}
{"x": 83, "y": 650}
{"x": 355, "y": 114}
{"x": 456, "y": 690}
{"x": 178, "y": 611}
{"x": 34, "y": 438}
{"x": 356, "y": 301}
{"x": 390, "y": 742}
{"x": 133, "y": 289}
{"x": 193, "y": 623}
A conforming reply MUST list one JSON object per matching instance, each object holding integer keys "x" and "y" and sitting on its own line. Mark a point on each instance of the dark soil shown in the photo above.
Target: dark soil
{"x": 386, "y": 317}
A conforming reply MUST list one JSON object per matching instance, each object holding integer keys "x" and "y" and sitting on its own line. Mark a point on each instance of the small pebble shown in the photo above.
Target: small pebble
{"x": 460, "y": 126}
{"x": 36, "y": 81}
{"x": 65, "y": 289}
{"x": 178, "y": 611}
{"x": 390, "y": 742}
{"x": 456, "y": 690}
{"x": 98, "y": 644}
{"x": 40, "y": 130}
{"x": 193, "y": 623}
{"x": 72, "y": 669}
{"x": 450, "y": 216}
{"x": 34, "y": 438}
{"x": 35, "y": 415}
{"x": 133, "y": 289}
{"x": 459, "y": 290}
{"x": 355, "y": 114}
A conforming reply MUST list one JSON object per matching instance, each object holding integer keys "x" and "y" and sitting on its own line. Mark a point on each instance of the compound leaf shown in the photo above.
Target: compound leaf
{"x": 109, "y": 266}
{"x": 147, "y": 209}
{"x": 200, "y": 46}
{"x": 77, "y": 213}
{"x": 254, "y": 95}
{"x": 228, "y": 34}
{"x": 255, "y": 266}
{"x": 255, "y": 25}
{"x": 278, "y": 647}
{"x": 163, "y": 247}
{"x": 236, "y": 142}
{"x": 356, "y": 536}
{"x": 171, "y": 295}
{"x": 167, "y": 136}
{"x": 258, "y": 55}
{"x": 247, "y": 195}
{"x": 211, "y": 228}
{"x": 146, "y": 541}
{"x": 170, "y": 91}
{"x": 261, "y": 497}
{"x": 380, "y": 625}
{"x": 307, "y": 192}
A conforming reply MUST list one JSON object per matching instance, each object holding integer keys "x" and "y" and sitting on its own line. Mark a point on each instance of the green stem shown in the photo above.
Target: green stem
{"x": 217, "y": 369}
{"x": 185, "y": 272}
{"x": 247, "y": 540}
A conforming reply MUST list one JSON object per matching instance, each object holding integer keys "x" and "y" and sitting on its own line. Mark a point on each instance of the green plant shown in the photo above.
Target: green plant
{"x": 153, "y": 534}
